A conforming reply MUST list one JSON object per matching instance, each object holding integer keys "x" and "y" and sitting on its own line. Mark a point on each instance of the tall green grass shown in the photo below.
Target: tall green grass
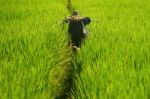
{"x": 114, "y": 63}
{"x": 30, "y": 50}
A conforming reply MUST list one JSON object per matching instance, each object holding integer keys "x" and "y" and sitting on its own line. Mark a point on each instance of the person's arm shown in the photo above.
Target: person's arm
{"x": 86, "y": 20}
{"x": 66, "y": 20}
{"x": 72, "y": 19}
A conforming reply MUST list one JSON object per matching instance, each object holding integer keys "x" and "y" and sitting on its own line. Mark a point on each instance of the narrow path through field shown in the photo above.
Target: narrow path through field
{"x": 69, "y": 6}
{"x": 68, "y": 75}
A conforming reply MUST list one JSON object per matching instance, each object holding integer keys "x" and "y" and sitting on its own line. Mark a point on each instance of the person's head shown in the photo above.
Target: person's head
{"x": 75, "y": 16}
{"x": 75, "y": 13}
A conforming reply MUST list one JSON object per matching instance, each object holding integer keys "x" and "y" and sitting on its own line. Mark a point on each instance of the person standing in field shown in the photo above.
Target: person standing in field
{"x": 76, "y": 30}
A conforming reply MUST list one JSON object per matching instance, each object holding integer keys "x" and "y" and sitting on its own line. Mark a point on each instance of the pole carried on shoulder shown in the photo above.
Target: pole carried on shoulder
{"x": 95, "y": 20}
{"x": 92, "y": 19}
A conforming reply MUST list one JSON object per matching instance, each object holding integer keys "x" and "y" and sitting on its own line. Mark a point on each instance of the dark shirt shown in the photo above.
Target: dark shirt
{"x": 77, "y": 30}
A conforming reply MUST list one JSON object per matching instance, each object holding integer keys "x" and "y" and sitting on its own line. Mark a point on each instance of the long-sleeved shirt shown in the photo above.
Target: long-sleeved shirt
{"x": 77, "y": 30}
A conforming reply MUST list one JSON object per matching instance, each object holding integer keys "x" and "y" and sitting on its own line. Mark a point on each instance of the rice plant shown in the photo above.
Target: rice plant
{"x": 114, "y": 62}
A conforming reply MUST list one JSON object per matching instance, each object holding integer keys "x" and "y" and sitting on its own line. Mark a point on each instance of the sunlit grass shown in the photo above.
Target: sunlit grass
{"x": 29, "y": 49}
{"x": 115, "y": 59}
{"x": 114, "y": 62}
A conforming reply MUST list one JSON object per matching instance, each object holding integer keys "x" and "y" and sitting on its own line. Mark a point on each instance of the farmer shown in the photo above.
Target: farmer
{"x": 76, "y": 29}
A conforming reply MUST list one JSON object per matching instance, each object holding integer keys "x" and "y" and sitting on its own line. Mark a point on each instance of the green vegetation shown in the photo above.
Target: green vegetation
{"x": 114, "y": 62}
{"x": 29, "y": 50}
{"x": 115, "y": 59}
